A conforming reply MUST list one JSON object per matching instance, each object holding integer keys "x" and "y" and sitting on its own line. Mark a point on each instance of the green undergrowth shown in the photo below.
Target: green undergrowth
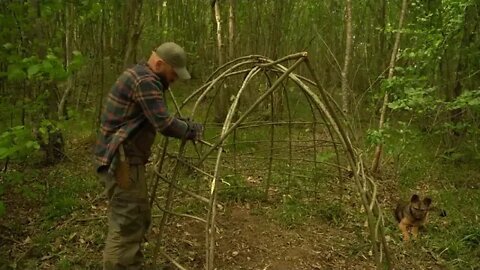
{"x": 43, "y": 203}
{"x": 451, "y": 180}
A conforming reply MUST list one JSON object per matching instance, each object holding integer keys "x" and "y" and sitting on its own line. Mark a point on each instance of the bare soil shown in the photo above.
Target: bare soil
{"x": 246, "y": 240}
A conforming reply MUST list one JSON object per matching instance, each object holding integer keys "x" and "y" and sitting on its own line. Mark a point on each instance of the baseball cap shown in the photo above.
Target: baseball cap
{"x": 175, "y": 56}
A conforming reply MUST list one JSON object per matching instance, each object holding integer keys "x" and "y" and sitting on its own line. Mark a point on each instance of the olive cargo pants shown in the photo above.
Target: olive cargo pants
{"x": 129, "y": 218}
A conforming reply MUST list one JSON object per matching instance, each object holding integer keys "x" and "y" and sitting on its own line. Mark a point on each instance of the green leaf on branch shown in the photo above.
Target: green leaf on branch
{"x": 4, "y": 153}
{"x": 17, "y": 143}
{"x": 8, "y": 46}
{"x": 15, "y": 73}
{"x": 77, "y": 62}
{"x": 376, "y": 136}
{"x": 33, "y": 70}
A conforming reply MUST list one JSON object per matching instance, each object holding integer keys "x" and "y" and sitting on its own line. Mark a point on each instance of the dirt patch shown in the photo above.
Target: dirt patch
{"x": 249, "y": 241}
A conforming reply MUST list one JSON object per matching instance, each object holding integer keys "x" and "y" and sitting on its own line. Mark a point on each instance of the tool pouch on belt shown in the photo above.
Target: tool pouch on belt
{"x": 122, "y": 170}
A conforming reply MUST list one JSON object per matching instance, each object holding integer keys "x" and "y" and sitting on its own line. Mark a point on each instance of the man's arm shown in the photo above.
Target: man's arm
{"x": 150, "y": 97}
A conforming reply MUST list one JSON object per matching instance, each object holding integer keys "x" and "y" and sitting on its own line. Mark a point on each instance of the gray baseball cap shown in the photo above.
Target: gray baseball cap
{"x": 176, "y": 57}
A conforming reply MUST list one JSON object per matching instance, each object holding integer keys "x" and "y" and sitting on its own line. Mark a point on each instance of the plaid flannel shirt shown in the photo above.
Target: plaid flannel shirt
{"x": 136, "y": 96}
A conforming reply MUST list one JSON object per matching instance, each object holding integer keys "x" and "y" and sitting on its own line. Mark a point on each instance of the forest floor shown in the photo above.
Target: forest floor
{"x": 55, "y": 219}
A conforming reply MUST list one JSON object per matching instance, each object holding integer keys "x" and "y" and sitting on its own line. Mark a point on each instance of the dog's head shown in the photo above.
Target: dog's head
{"x": 419, "y": 208}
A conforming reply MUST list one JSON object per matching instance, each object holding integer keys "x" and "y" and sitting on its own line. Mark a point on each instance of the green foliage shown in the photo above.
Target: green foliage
{"x": 14, "y": 178}
{"x": 237, "y": 190}
{"x": 61, "y": 203}
{"x": 467, "y": 100}
{"x": 420, "y": 100}
{"x": 15, "y": 181}
{"x": 292, "y": 211}
{"x": 471, "y": 238}
{"x": 439, "y": 48}
{"x": 46, "y": 129}
{"x": 376, "y": 136}
{"x": 325, "y": 156}
{"x": 17, "y": 143}
{"x": 454, "y": 238}
{"x": 64, "y": 264}
{"x": 451, "y": 240}
{"x": 66, "y": 196}
{"x": 51, "y": 68}
{"x": 397, "y": 138}
{"x": 408, "y": 147}
{"x": 331, "y": 211}
{"x": 38, "y": 107}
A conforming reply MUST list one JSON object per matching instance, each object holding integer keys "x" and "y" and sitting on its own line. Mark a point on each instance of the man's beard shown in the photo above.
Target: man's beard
{"x": 163, "y": 80}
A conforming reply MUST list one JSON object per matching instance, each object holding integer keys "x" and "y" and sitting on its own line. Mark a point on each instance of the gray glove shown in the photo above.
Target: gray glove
{"x": 194, "y": 130}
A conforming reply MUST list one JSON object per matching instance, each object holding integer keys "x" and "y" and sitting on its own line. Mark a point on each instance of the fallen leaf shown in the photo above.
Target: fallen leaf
{"x": 72, "y": 236}
{"x": 27, "y": 240}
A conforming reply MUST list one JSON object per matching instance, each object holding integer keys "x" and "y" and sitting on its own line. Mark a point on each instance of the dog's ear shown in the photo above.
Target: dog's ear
{"x": 427, "y": 201}
{"x": 414, "y": 198}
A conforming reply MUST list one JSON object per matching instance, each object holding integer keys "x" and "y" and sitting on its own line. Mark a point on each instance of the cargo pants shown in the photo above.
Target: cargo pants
{"x": 129, "y": 218}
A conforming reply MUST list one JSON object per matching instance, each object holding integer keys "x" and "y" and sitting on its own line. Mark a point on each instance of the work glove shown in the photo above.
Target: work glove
{"x": 194, "y": 130}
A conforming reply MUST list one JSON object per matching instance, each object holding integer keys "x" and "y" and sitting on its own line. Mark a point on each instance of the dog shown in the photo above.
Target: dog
{"x": 412, "y": 215}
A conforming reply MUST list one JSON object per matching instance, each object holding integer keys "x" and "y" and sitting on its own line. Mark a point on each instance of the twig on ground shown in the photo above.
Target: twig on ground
{"x": 7, "y": 238}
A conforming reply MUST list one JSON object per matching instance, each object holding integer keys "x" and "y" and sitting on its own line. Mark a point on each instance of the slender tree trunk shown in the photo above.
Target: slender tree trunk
{"x": 134, "y": 31}
{"x": 231, "y": 30}
{"x": 218, "y": 21}
{"x": 69, "y": 36}
{"x": 467, "y": 38}
{"x": 23, "y": 100}
{"x": 379, "y": 147}
{"x": 382, "y": 36}
{"x": 348, "y": 56}
{"x": 104, "y": 41}
{"x": 221, "y": 104}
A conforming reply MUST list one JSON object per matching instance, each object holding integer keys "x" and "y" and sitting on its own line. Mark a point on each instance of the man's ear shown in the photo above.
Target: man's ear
{"x": 158, "y": 64}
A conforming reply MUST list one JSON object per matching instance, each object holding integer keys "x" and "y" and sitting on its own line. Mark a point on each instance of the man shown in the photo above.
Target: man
{"x": 134, "y": 111}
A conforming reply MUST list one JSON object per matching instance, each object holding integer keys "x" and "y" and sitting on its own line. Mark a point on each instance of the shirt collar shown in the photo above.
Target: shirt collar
{"x": 159, "y": 77}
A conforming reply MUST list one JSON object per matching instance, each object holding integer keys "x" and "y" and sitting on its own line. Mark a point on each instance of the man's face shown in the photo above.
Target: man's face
{"x": 168, "y": 72}
{"x": 165, "y": 70}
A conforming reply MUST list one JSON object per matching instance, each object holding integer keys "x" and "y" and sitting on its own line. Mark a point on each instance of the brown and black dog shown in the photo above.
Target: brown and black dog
{"x": 412, "y": 215}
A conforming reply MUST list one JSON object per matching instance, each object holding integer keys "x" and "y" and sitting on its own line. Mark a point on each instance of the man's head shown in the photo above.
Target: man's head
{"x": 169, "y": 60}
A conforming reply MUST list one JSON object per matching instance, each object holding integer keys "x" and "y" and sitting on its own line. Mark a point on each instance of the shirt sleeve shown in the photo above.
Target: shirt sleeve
{"x": 150, "y": 97}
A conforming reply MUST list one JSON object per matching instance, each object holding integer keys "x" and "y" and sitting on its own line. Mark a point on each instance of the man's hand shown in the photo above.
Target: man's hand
{"x": 194, "y": 131}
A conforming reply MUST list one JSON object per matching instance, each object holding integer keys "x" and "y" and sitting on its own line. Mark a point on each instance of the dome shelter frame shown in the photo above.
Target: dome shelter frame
{"x": 322, "y": 107}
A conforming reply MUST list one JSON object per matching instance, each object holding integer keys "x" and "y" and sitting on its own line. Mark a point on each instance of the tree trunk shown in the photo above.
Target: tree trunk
{"x": 274, "y": 38}
{"x": 379, "y": 147}
{"x": 218, "y": 21}
{"x": 222, "y": 100}
{"x": 348, "y": 56}
{"x": 134, "y": 31}
{"x": 231, "y": 30}
{"x": 382, "y": 36}
{"x": 69, "y": 25}
{"x": 99, "y": 93}
{"x": 467, "y": 38}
